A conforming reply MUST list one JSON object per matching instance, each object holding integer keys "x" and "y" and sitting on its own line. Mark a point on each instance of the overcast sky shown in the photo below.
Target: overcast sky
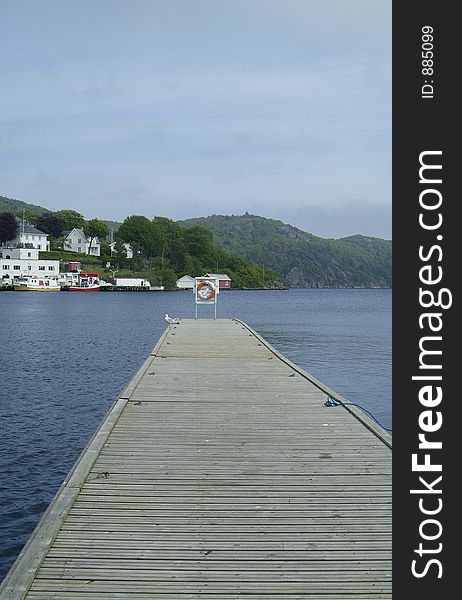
{"x": 185, "y": 108}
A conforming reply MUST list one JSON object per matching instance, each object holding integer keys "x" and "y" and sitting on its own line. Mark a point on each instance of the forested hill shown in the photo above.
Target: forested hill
{"x": 17, "y": 206}
{"x": 300, "y": 258}
{"x": 32, "y": 211}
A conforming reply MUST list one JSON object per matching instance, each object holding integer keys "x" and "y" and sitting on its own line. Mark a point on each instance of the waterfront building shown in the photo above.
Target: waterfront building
{"x": 131, "y": 282}
{"x": 185, "y": 283}
{"x": 224, "y": 282}
{"x": 19, "y": 262}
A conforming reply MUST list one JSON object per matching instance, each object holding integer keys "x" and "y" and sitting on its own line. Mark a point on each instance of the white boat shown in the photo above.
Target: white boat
{"x": 29, "y": 283}
{"x": 87, "y": 282}
{"x": 85, "y": 287}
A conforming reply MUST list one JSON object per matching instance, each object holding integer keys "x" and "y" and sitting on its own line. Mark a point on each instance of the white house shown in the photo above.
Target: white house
{"x": 185, "y": 283}
{"x": 77, "y": 241}
{"x": 127, "y": 247}
{"x": 17, "y": 262}
{"x": 29, "y": 236}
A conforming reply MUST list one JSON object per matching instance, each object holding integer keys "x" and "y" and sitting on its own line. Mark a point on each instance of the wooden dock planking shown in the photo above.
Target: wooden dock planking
{"x": 219, "y": 474}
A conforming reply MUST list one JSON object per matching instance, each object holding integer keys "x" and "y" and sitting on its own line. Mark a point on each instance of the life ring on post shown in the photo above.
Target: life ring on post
{"x": 206, "y": 290}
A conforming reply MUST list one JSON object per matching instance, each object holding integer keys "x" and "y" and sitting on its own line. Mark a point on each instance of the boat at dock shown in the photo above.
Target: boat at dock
{"x": 36, "y": 284}
{"x": 86, "y": 282}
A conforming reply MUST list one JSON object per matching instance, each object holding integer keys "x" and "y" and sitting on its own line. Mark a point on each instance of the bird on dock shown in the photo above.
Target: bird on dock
{"x": 170, "y": 321}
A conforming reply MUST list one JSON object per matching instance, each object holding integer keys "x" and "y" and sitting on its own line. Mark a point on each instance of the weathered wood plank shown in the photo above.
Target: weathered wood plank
{"x": 288, "y": 587}
{"x": 137, "y": 595}
{"x": 227, "y": 557}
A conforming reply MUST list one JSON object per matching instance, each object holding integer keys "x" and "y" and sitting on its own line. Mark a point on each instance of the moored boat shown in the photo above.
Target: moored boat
{"x": 36, "y": 284}
{"x": 87, "y": 282}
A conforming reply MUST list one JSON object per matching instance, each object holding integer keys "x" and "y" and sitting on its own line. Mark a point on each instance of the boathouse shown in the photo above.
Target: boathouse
{"x": 224, "y": 282}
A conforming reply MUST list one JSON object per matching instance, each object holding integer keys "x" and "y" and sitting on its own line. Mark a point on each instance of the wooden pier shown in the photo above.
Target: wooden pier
{"x": 218, "y": 474}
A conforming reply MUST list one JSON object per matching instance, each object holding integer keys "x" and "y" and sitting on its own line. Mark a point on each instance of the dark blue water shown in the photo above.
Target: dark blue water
{"x": 64, "y": 358}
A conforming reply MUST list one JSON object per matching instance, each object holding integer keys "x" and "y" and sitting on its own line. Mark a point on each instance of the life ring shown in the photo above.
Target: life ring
{"x": 211, "y": 293}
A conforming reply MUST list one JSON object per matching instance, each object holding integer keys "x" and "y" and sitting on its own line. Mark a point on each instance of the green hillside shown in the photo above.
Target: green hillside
{"x": 17, "y": 206}
{"x": 300, "y": 258}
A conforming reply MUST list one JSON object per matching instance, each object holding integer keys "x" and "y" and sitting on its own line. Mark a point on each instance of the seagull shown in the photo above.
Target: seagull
{"x": 169, "y": 320}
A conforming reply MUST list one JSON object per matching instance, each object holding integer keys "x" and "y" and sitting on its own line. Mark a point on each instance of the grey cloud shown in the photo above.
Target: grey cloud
{"x": 189, "y": 108}
{"x": 350, "y": 218}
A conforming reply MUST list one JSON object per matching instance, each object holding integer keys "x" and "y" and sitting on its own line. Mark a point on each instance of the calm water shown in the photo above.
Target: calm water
{"x": 64, "y": 358}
